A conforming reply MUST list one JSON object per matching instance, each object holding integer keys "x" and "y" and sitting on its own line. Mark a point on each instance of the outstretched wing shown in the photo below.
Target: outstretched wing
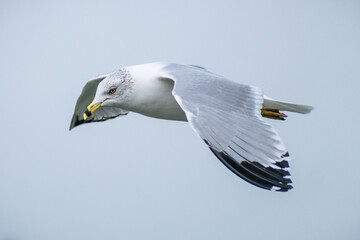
{"x": 85, "y": 98}
{"x": 226, "y": 115}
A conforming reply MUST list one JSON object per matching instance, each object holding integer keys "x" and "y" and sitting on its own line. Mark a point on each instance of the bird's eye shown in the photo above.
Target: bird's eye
{"x": 112, "y": 91}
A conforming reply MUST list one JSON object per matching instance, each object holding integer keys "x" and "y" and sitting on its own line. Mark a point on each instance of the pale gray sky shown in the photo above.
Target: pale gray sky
{"x": 141, "y": 178}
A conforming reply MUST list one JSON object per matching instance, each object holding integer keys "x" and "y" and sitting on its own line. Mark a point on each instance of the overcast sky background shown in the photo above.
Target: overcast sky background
{"x": 141, "y": 178}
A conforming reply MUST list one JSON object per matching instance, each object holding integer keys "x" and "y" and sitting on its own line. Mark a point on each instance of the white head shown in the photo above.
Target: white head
{"x": 112, "y": 91}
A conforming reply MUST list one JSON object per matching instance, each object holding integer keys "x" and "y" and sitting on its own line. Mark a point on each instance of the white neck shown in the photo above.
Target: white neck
{"x": 151, "y": 94}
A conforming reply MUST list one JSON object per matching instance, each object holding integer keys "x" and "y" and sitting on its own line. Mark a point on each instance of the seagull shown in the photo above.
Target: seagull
{"x": 227, "y": 115}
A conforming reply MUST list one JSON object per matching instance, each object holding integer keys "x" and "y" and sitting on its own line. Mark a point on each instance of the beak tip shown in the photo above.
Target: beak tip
{"x": 87, "y": 114}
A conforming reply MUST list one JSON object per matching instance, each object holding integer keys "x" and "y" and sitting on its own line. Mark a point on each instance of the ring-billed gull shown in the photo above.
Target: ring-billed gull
{"x": 228, "y": 116}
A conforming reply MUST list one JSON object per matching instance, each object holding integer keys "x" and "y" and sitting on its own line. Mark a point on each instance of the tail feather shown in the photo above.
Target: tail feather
{"x": 283, "y": 106}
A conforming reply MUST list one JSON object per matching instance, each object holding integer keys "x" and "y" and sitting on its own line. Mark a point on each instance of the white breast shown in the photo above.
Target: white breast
{"x": 152, "y": 95}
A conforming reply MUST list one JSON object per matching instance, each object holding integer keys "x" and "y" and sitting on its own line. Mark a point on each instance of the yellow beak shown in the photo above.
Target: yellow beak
{"x": 91, "y": 109}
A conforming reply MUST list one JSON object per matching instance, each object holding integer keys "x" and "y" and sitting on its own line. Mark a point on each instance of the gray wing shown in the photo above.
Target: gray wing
{"x": 226, "y": 115}
{"x": 86, "y": 97}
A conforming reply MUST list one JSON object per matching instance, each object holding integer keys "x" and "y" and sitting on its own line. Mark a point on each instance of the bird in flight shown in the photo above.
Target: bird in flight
{"x": 227, "y": 115}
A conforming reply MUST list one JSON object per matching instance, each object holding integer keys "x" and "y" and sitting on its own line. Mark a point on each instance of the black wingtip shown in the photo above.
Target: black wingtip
{"x": 256, "y": 174}
{"x": 75, "y": 122}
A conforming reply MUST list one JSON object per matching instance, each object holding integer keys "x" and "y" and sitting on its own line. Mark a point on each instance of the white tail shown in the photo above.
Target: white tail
{"x": 283, "y": 106}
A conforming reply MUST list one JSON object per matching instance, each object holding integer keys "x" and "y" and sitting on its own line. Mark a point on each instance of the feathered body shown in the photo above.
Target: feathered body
{"x": 228, "y": 116}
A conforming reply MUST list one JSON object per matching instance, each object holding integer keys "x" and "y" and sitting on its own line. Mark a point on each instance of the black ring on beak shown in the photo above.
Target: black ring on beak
{"x": 88, "y": 113}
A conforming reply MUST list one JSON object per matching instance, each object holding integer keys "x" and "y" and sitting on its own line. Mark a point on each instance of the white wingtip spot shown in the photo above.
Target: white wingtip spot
{"x": 274, "y": 188}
